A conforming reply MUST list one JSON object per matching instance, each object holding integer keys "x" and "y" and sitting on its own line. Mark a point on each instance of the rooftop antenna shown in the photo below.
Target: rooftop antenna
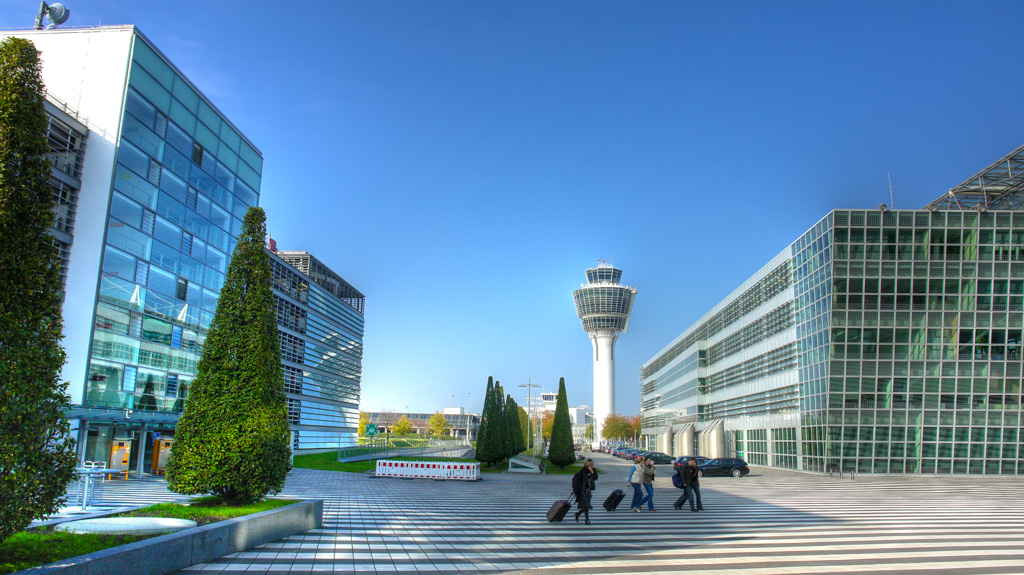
{"x": 603, "y": 262}
{"x": 891, "y": 204}
{"x": 56, "y": 13}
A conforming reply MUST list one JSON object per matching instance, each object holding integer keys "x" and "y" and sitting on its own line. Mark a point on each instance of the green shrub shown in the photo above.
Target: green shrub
{"x": 37, "y": 457}
{"x": 562, "y": 452}
{"x": 232, "y": 440}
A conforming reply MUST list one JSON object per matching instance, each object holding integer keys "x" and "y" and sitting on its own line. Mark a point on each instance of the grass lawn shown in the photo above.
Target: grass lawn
{"x": 41, "y": 546}
{"x": 329, "y": 462}
{"x": 36, "y": 547}
{"x": 206, "y": 510}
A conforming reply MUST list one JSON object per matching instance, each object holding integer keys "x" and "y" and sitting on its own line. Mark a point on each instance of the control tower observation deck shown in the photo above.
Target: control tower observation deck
{"x": 604, "y": 307}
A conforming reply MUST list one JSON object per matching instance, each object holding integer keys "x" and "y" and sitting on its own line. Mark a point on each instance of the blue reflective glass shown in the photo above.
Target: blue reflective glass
{"x": 176, "y": 162}
{"x": 118, "y": 264}
{"x": 121, "y": 236}
{"x": 174, "y": 186}
{"x": 133, "y": 158}
{"x": 135, "y": 186}
{"x": 163, "y": 282}
{"x": 180, "y": 140}
{"x": 165, "y": 257}
{"x": 126, "y": 210}
{"x": 137, "y": 106}
{"x": 167, "y": 233}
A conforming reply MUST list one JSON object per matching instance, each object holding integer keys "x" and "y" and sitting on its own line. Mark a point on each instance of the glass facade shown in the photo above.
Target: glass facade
{"x": 183, "y": 180}
{"x": 320, "y": 321}
{"x": 890, "y": 342}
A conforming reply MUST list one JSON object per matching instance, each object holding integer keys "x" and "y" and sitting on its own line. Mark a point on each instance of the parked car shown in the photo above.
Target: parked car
{"x": 685, "y": 460}
{"x": 661, "y": 458}
{"x": 724, "y": 466}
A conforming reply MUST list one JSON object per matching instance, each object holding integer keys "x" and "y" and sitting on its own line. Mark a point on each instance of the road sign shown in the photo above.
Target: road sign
{"x": 371, "y": 429}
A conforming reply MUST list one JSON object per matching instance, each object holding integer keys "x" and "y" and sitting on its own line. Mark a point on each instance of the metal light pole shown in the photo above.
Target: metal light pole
{"x": 469, "y": 414}
{"x": 529, "y": 397}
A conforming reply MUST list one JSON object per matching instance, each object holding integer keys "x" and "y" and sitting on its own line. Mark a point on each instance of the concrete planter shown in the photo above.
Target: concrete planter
{"x": 174, "y": 551}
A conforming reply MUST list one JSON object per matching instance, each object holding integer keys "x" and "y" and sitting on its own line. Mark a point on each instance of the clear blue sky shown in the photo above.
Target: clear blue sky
{"x": 462, "y": 163}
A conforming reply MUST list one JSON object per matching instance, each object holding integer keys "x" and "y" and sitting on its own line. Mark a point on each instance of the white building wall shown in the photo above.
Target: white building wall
{"x": 88, "y": 69}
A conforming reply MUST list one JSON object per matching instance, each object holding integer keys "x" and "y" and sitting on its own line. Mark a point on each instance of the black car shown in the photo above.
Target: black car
{"x": 660, "y": 458}
{"x": 723, "y": 466}
{"x": 685, "y": 460}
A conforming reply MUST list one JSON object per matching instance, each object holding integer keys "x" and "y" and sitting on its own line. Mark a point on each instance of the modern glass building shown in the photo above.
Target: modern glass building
{"x": 882, "y": 341}
{"x": 320, "y": 320}
{"x": 160, "y": 197}
{"x": 146, "y": 223}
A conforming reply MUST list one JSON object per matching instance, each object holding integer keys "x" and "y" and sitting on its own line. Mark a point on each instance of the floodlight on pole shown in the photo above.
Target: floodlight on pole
{"x": 56, "y": 13}
{"x": 529, "y": 396}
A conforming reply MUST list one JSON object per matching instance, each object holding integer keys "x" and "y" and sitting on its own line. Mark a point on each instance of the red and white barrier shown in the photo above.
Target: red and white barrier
{"x": 464, "y": 470}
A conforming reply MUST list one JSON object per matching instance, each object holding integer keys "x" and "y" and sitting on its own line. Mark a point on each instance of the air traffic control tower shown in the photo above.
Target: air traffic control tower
{"x": 604, "y": 307}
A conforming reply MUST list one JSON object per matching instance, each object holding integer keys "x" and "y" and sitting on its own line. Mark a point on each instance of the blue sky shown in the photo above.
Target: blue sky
{"x": 462, "y": 163}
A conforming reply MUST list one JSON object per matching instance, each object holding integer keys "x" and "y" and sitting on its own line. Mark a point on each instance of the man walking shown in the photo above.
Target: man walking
{"x": 691, "y": 487}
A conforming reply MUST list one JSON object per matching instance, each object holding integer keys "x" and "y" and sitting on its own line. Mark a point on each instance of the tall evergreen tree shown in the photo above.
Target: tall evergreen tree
{"x": 562, "y": 451}
{"x": 37, "y": 456}
{"x": 500, "y": 422}
{"x": 485, "y": 448}
{"x": 513, "y": 430}
{"x": 524, "y": 426}
{"x": 233, "y": 438}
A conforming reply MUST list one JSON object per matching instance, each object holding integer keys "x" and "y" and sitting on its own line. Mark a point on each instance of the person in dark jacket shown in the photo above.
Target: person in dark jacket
{"x": 691, "y": 487}
{"x": 583, "y": 485}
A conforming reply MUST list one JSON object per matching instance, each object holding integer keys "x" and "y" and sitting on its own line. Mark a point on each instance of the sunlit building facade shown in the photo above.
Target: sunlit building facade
{"x": 152, "y": 183}
{"x": 320, "y": 322}
{"x": 881, "y": 341}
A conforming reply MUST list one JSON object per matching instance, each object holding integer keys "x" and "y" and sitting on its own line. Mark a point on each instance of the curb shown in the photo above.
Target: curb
{"x": 175, "y": 551}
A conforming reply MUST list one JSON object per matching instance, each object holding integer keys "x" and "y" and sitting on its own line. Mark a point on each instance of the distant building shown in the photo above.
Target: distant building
{"x": 385, "y": 420}
{"x": 549, "y": 399}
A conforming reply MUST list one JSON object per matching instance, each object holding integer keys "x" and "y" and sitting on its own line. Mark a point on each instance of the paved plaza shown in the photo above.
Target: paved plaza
{"x": 768, "y": 522}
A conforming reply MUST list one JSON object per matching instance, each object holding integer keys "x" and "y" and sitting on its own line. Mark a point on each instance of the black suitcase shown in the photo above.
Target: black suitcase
{"x": 559, "y": 509}
{"x": 613, "y": 500}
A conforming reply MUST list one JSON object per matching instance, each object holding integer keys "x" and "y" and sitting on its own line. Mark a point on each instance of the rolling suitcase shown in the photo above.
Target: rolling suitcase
{"x": 559, "y": 509}
{"x": 613, "y": 500}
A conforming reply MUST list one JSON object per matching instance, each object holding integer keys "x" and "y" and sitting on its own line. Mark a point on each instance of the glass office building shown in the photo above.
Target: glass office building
{"x": 320, "y": 321}
{"x": 881, "y": 341}
{"x": 147, "y": 220}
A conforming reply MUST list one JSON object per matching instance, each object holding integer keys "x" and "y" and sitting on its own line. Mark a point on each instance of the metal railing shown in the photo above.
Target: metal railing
{"x": 383, "y": 448}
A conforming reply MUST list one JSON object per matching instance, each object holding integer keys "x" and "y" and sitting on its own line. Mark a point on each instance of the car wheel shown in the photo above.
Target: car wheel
{"x": 700, "y": 473}
{"x": 737, "y": 473}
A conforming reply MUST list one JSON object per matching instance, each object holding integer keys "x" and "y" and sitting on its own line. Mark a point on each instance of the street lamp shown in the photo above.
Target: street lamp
{"x": 529, "y": 396}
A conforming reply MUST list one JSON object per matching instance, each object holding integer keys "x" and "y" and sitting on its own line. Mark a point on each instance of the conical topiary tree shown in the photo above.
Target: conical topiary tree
{"x": 486, "y": 451}
{"x": 524, "y": 425}
{"x": 233, "y": 438}
{"x": 500, "y": 422}
{"x": 513, "y": 430}
{"x": 562, "y": 452}
{"x": 37, "y": 457}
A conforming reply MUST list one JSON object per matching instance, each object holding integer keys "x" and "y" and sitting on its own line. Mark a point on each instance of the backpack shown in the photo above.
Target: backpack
{"x": 677, "y": 481}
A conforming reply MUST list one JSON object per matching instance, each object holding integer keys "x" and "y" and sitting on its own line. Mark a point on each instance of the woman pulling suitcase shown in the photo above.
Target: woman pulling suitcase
{"x": 583, "y": 484}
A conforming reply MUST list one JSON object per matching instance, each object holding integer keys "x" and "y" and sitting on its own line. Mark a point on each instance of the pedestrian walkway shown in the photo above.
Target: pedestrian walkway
{"x": 115, "y": 495}
{"x": 769, "y": 522}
